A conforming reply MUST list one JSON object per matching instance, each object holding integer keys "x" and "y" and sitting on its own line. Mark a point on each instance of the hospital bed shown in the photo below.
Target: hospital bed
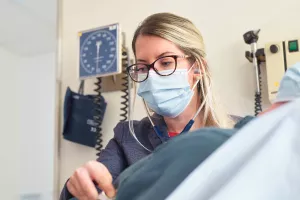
{"x": 264, "y": 162}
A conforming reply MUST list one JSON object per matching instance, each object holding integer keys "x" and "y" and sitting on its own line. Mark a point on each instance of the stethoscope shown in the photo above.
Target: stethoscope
{"x": 156, "y": 129}
{"x": 187, "y": 127}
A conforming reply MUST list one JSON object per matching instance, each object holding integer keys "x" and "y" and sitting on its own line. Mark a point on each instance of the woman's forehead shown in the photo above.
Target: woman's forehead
{"x": 149, "y": 48}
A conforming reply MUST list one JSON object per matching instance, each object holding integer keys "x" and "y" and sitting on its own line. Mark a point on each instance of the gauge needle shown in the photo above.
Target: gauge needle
{"x": 114, "y": 77}
{"x": 98, "y": 44}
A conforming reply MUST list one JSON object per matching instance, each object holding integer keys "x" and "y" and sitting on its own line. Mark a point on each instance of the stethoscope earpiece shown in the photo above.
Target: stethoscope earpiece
{"x": 197, "y": 71}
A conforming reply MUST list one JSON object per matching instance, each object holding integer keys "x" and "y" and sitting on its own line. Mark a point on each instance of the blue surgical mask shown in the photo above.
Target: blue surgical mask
{"x": 167, "y": 95}
{"x": 290, "y": 85}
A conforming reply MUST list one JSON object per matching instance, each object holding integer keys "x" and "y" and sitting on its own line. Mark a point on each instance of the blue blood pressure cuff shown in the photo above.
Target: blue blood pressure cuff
{"x": 79, "y": 111}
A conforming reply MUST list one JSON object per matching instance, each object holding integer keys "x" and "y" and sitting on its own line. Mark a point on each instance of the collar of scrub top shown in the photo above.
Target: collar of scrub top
{"x": 186, "y": 129}
{"x": 160, "y": 127}
{"x": 165, "y": 136}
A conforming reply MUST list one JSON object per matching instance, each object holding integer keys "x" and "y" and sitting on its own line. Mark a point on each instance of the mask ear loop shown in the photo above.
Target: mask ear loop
{"x": 189, "y": 72}
{"x": 191, "y": 122}
{"x": 205, "y": 96}
{"x": 208, "y": 93}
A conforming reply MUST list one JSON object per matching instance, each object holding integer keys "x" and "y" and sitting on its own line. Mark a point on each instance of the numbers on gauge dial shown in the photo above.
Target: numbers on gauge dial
{"x": 98, "y": 52}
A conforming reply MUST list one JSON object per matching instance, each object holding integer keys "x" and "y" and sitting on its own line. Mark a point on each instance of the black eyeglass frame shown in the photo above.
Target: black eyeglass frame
{"x": 151, "y": 66}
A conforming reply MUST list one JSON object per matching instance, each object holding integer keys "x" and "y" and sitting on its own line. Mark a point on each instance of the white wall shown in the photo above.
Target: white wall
{"x": 27, "y": 86}
{"x": 9, "y": 154}
{"x": 222, "y": 23}
{"x": 36, "y": 90}
{"x": 27, "y": 105}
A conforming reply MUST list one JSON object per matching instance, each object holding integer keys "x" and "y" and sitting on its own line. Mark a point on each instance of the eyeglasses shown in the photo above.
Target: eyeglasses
{"x": 163, "y": 66}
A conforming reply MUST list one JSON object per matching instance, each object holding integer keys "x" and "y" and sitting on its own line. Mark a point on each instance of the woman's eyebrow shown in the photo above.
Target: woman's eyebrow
{"x": 164, "y": 54}
{"x": 160, "y": 55}
{"x": 140, "y": 60}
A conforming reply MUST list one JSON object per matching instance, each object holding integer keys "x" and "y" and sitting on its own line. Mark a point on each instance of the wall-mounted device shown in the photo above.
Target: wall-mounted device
{"x": 251, "y": 38}
{"x": 103, "y": 55}
{"x": 100, "y": 52}
{"x": 280, "y": 56}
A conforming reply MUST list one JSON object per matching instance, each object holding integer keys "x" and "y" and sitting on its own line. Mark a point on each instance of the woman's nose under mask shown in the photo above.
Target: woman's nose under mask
{"x": 167, "y": 95}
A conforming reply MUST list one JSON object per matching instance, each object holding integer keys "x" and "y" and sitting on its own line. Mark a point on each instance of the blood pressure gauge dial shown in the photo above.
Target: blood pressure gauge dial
{"x": 100, "y": 52}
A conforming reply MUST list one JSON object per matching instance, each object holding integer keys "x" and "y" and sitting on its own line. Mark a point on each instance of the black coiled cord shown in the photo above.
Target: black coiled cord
{"x": 258, "y": 98}
{"x": 125, "y": 96}
{"x": 257, "y": 106}
{"x": 98, "y": 100}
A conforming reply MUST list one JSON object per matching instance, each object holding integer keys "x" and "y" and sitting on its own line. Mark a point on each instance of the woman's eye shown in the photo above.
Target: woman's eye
{"x": 140, "y": 70}
{"x": 166, "y": 64}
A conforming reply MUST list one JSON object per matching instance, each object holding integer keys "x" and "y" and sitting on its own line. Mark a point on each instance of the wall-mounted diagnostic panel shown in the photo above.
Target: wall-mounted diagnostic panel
{"x": 279, "y": 57}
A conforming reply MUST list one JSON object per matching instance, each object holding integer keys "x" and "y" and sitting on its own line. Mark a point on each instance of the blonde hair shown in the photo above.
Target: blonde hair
{"x": 183, "y": 33}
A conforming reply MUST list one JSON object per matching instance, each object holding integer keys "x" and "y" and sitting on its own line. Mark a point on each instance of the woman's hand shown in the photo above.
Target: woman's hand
{"x": 81, "y": 184}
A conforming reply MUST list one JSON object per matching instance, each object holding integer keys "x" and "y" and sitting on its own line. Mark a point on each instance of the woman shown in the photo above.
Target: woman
{"x": 175, "y": 83}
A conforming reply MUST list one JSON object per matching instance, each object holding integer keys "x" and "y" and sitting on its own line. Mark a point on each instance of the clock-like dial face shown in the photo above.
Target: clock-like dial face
{"x": 98, "y": 52}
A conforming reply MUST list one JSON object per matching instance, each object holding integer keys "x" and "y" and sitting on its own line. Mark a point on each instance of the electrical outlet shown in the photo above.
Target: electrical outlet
{"x": 32, "y": 196}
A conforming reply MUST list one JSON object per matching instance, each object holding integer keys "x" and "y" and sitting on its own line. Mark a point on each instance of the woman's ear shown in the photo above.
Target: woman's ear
{"x": 197, "y": 71}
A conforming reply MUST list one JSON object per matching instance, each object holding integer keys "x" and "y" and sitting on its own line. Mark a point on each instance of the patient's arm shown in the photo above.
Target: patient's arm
{"x": 273, "y": 106}
{"x": 240, "y": 124}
